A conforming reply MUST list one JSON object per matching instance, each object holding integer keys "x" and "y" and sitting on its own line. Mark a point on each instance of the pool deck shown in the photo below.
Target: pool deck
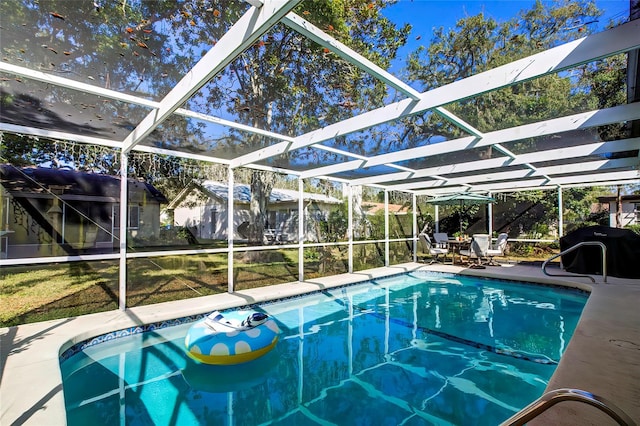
{"x": 603, "y": 357}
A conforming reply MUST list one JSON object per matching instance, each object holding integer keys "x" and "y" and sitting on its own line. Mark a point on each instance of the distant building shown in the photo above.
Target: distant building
{"x": 371, "y": 208}
{"x": 630, "y": 213}
{"x": 202, "y": 207}
{"x": 53, "y": 212}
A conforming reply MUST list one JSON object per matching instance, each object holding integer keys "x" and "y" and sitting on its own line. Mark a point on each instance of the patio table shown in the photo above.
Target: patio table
{"x": 456, "y": 246}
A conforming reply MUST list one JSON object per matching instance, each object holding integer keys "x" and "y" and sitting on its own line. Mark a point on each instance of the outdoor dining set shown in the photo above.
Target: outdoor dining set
{"x": 476, "y": 252}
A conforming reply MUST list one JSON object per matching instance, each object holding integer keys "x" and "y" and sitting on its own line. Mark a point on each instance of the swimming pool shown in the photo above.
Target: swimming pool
{"x": 420, "y": 348}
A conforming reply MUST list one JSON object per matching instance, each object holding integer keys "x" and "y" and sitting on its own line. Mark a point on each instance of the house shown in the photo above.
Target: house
{"x": 58, "y": 212}
{"x": 630, "y": 213}
{"x": 202, "y": 207}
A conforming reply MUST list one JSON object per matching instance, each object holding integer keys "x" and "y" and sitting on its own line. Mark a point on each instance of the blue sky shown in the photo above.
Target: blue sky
{"x": 424, "y": 15}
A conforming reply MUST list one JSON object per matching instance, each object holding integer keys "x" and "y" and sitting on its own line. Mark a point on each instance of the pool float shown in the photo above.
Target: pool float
{"x": 233, "y": 338}
{"x": 230, "y": 378}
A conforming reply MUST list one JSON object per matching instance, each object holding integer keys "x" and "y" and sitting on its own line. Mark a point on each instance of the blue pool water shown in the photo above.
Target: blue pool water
{"x": 416, "y": 349}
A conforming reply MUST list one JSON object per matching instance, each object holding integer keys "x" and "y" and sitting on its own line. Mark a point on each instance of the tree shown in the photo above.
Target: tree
{"x": 290, "y": 85}
{"x": 479, "y": 43}
{"x": 127, "y": 46}
{"x": 285, "y": 83}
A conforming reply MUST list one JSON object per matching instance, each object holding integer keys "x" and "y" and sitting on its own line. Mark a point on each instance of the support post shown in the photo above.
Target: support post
{"x": 300, "y": 229}
{"x": 350, "y": 228}
{"x": 230, "y": 232}
{"x": 490, "y": 218}
{"x": 633, "y": 77}
{"x": 414, "y": 234}
{"x": 560, "y": 214}
{"x": 124, "y": 220}
{"x": 386, "y": 227}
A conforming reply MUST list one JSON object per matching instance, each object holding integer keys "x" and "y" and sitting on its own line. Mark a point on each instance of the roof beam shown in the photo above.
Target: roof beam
{"x": 433, "y": 171}
{"x": 616, "y": 40}
{"x": 516, "y": 175}
{"x": 340, "y": 167}
{"x": 53, "y": 134}
{"x": 74, "y": 85}
{"x": 463, "y": 124}
{"x": 253, "y": 24}
{"x": 334, "y": 168}
{"x": 595, "y": 179}
{"x": 314, "y": 33}
{"x": 64, "y": 136}
{"x": 583, "y": 120}
{"x": 520, "y": 188}
{"x": 448, "y": 115}
{"x": 124, "y": 97}
{"x": 597, "y": 148}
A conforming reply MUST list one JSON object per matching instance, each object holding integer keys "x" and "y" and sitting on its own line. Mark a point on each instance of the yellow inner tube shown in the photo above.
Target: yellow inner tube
{"x": 233, "y": 359}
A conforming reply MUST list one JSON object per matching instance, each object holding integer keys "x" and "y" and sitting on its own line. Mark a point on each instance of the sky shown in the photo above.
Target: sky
{"x": 424, "y": 15}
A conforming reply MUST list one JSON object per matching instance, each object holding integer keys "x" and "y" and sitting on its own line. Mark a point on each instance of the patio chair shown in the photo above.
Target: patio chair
{"x": 498, "y": 249}
{"x": 477, "y": 251}
{"x": 442, "y": 239}
{"x": 428, "y": 247}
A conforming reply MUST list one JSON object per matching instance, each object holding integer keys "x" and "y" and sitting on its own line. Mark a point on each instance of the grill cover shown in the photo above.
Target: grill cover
{"x": 623, "y": 252}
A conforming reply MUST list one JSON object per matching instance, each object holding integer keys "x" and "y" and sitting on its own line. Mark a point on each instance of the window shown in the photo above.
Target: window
{"x": 214, "y": 222}
{"x": 272, "y": 220}
{"x": 134, "y": 216}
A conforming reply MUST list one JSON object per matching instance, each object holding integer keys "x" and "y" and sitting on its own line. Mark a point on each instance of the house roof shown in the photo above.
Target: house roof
{"x": 373, "y": 208}
{"x": 68, "y": 184}
{"x": 242, "y": 194}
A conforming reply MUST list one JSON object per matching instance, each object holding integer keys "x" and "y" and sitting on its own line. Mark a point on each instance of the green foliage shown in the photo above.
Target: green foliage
{"x": 577, "y": 204}
{"x": 336, "y": 226}
{"x": 606, "y": 79}
{"x": 635, "y": 228}
{"x": 455, "y": 217}
{"x": 479, "y": 43}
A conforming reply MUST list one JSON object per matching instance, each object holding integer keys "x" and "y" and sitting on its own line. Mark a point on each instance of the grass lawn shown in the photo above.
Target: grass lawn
{"x": 42, "y": 292}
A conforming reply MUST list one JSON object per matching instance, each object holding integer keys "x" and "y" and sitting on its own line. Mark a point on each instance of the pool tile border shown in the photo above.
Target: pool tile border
{"x": 80, "y": 346}
{"x": 117, "y": 334}
{"x": 96, "y": 340}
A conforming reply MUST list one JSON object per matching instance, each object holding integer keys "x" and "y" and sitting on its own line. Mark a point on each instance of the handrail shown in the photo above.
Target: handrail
{"x": 570, "y": 249}
{"x": 553, "y": 397}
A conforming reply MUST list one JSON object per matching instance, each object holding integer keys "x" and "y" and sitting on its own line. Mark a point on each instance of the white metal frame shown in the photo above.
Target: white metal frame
{"x": 431, "y": 181}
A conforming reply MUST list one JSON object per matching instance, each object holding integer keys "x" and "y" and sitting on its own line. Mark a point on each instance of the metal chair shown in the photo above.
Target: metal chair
{"x": 428, "y": 247}
{"x": 442, "y": 240}
{"x": 478, "y": 250}
{"x": 498, "y": 250}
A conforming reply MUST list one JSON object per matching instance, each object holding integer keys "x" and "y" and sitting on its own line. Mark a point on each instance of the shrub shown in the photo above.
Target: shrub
{"x": 635, "y": 228}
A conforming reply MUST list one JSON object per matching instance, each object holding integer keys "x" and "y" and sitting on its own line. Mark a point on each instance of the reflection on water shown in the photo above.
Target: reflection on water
{"x": 402, "y": 350}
